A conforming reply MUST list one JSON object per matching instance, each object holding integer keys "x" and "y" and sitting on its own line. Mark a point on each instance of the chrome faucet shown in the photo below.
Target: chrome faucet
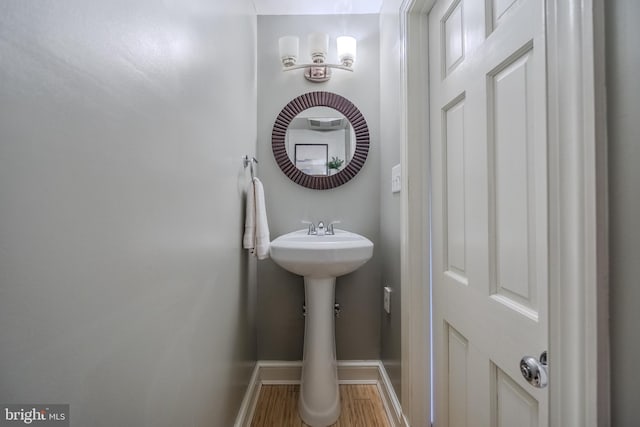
{"x": 320, "y": 229}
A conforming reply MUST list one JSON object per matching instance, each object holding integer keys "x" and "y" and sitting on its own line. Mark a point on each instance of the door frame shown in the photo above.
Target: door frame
{"x": 579, "y": 387}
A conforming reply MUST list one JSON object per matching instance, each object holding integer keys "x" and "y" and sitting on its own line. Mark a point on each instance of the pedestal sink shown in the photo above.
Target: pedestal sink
{"x": 320, "y": 259}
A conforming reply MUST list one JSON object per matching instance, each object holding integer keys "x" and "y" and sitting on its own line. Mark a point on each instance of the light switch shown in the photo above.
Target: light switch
{"x": 396, "y": 179}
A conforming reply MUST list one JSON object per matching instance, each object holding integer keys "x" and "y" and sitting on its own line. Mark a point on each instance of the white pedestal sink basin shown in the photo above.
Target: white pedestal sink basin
{"x": 320, "y": 259}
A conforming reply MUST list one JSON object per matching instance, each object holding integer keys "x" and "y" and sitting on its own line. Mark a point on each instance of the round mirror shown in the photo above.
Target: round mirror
{"x": 320, "y": 140}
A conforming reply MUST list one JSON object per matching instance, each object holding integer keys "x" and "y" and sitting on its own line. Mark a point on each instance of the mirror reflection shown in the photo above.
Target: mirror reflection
{"x": 320, "y": 141}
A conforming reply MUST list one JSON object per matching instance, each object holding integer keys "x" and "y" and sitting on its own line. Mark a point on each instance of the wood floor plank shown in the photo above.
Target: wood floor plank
{"x": 361, "y": 406}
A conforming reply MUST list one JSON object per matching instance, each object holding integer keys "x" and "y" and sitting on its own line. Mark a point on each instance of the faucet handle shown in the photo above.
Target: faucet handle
{"x": 330, "y": 227}
{"x": 312, "y": 228}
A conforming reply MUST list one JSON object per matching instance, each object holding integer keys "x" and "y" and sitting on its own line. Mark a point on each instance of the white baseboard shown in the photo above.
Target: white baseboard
{"x": 248, "y": 405}
{"x": 279, "y": 372}
{"x": 349, "y": 372}
{"x": 390, "y": 399}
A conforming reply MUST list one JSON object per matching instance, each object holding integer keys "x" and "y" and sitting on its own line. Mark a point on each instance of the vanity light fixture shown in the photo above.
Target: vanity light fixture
{"x": 319, "y": 70}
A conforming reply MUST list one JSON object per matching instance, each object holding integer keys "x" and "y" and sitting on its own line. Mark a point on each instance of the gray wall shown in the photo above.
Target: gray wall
{"x": 623, "y": 92}
{"x": 356, "y": 204}
{"x": 390, "y": 134}
{"x": 123, "y": 287}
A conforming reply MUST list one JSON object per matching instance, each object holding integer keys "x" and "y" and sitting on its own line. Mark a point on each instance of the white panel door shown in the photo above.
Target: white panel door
{"x": 490, "y": 244}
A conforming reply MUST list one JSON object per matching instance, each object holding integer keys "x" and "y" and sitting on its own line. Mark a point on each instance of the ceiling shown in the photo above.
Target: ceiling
{"x": 316, "y": 7}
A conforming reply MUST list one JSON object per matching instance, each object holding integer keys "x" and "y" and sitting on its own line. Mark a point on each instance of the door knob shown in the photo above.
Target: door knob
{"x": 534, "y": 370}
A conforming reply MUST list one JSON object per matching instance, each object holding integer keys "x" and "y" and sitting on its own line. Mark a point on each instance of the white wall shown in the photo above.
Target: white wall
{"x": 356, "y": 204}
{"x": 623, "y": 105}
{"x": 123, "y": 287}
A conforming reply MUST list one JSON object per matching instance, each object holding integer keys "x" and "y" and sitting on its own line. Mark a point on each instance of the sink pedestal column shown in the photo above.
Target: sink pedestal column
{"x": 319, "y": 404}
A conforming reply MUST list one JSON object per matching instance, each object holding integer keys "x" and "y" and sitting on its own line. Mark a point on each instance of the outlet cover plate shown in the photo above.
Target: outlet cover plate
{"x": 387, "y": 299}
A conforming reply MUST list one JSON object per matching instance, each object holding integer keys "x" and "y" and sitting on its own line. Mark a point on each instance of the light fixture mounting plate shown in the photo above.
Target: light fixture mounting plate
{"x": 317, "y": 74}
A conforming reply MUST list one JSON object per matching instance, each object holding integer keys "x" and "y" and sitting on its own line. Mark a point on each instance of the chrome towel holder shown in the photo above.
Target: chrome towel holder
{"x": 249, "y": 161}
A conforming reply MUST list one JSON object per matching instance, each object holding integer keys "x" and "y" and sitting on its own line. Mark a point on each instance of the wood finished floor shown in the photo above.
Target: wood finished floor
{"x": 361, "y": 407}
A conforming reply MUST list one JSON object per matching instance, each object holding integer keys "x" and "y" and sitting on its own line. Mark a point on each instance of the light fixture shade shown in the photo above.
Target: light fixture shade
{"x": 288, "y": 50}
{"x": 318, "y": 46}
{"x": 346, "y": 50}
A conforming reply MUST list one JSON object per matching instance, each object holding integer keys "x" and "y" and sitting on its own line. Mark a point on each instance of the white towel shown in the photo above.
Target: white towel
{"x": 256, "y": 227}
{"x": 249, "y": 240}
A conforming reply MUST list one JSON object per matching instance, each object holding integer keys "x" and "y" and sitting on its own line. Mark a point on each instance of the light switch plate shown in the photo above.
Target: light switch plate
{"x": 396, "y": 179}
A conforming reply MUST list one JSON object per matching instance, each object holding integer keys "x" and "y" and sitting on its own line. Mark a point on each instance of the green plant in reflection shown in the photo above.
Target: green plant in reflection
{"x": 335, "y": 163}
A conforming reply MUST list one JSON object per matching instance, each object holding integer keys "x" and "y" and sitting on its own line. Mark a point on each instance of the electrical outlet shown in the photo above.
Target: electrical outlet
{"x": 387, "y": 299}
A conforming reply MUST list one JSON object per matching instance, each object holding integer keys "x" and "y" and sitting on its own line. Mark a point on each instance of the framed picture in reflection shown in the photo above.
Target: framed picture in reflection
{"x": 312, "y": 158}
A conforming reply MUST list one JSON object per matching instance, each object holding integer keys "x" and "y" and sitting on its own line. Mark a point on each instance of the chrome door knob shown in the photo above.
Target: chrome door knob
{"x": 534, "y": 370}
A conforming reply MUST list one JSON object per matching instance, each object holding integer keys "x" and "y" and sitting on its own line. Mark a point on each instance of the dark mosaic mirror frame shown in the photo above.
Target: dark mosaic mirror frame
{"x": 320, "y": 99}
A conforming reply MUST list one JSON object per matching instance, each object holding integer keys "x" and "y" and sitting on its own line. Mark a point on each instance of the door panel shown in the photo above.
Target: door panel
{"x": 512, "y": 184}
{"x": 496, "y": 10}
{"x": 513, "y": 405}
{"x": 489, "y": 171}
{"x": 453, "y": 47}
{"x": 453, "y": 141}
{"x": 457, "y": 362}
